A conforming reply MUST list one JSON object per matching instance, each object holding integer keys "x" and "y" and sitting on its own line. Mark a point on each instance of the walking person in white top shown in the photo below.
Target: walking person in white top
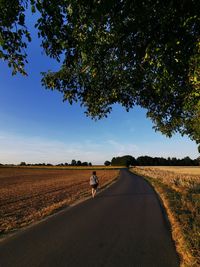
{"x": 94, "y": 182}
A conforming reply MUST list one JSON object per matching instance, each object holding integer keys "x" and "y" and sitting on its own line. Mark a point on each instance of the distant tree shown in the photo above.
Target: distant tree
{"x": 159, "y": 161}
{"x": 198, "y": 161}
{"x": 84, "y": 163}
{"x": 89, "y": 164}
{"x": 114, "y": 161}
{"x": 73, "y": 163}
{"x": 153, "y": 161}
{"x": 123, "y": 161}
{"x": 107, "y": 163}
{"x": 133, "y": 161}
{"x": 66, "y": 164}
{"x": 169, "y": 161}
{"x": 187, "y": 161}
{"x": 195, "y": 162}
{"x": 174, "y": 161}
{"x": 145, "y": 161}
{"x": 60, "y": 164}
{"x": 22, "y": 163}
{"x": 78, "y": 163}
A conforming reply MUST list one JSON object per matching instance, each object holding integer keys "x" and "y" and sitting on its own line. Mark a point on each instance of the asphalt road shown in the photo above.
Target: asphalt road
{"x": 123, "y": 226}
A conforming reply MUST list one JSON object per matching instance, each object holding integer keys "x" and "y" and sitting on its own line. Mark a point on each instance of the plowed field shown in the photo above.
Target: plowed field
{"x": 27, "y": 194}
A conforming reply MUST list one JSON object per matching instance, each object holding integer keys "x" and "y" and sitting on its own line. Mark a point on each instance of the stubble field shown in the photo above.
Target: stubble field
{"x": 186, "y": 170}
{"x": 30, "y": 194}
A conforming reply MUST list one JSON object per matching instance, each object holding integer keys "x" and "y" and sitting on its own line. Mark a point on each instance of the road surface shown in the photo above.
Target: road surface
{"x": 123, "y": 226}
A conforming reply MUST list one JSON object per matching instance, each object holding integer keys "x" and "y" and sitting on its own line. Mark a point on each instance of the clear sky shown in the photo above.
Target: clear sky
{"x": 36, "y": 126}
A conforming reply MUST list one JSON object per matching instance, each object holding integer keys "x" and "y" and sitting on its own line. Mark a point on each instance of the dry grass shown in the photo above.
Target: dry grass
{"x": 179, "y": 189}
{"x": 179, "y": 169}
{"x": 29, "y": 194}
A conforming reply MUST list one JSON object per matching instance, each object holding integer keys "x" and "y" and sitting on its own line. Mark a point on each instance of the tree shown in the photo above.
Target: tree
{"x": 144, "y": 160}
{"x": 123, "y": 161}
{"x": 107, "y": 163}
{"x": 187, "y": 161}
{"x": 78, "y": 163}
{"x": 84, "y": 163}
{"x": 73, "y": 163}
{"x": 22, "y": 163}
{"x": 143, "y": 53}
{"x": 198, "y": 161}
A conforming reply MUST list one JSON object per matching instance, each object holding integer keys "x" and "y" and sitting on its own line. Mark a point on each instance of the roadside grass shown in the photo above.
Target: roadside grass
{"x": 180, "y": 194}
{"x": 28, "y": 195}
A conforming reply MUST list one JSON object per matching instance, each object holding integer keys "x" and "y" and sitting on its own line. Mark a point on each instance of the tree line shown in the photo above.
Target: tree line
{"x": 73, "y": 163}
{"x": 129, "y": 160}
{"x": 126, "y": 160}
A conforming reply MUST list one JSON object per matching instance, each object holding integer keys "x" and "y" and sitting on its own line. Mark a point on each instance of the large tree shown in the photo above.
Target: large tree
{"x": 131, "y": 52}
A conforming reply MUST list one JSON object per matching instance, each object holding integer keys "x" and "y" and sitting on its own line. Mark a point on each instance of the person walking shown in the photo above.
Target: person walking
{"x": 94, "y": 182}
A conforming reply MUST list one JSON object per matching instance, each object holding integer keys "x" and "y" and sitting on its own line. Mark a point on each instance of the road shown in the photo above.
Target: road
{"x": 123, "y": 226}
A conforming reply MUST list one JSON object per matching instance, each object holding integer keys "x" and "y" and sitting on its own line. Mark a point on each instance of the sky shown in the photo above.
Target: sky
{"x": 36, "y": 126}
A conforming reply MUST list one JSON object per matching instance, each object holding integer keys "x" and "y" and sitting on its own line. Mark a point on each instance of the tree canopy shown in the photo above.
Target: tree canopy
{"x": 153, "y": 161}
{"x": 126, "y": 160}
{"x": 131, "y": 52}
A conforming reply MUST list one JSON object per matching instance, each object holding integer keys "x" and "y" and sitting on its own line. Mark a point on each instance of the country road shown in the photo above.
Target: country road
{"x": 123, "y": 226}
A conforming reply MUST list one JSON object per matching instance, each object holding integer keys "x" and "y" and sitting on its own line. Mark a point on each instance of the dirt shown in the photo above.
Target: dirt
{"x": 28, "y": 195}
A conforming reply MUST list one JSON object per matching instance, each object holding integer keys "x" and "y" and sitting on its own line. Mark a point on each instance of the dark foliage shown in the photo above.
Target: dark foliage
{"x": 154, "y": 161}
{"x": 137, "y": 52}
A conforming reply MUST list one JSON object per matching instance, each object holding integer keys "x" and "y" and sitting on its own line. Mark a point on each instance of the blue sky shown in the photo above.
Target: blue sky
{"x": 36, "y": 126}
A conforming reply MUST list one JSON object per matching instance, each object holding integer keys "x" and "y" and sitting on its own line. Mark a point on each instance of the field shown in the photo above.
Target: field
{"x": 179, "y": 190}
{"x": 29, "y": 194}
{"x": 179, "y": 169}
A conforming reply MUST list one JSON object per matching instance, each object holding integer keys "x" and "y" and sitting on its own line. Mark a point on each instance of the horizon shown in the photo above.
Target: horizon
{"x": 69, "y": 164}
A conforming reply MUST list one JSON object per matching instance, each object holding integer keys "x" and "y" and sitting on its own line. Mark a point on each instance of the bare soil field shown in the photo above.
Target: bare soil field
{"x": 179, "y": 190}
{"x": 29, "y": 194}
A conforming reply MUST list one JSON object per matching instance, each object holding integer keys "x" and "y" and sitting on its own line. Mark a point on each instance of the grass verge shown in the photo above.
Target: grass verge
{"x": 180, "y": 195}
